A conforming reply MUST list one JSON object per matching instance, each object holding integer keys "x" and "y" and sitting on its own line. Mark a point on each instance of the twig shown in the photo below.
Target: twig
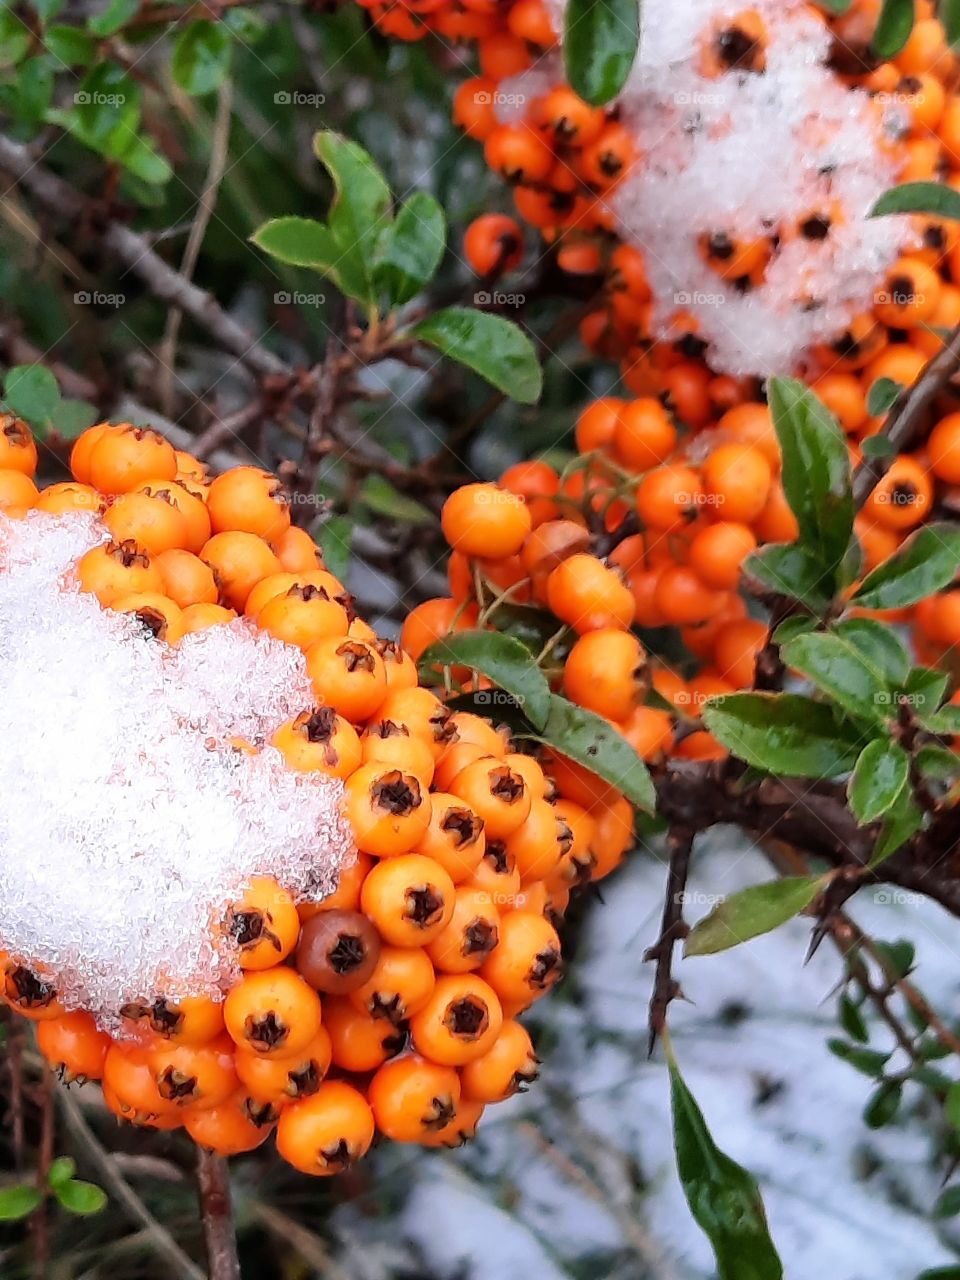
{"x": 134, "y": 251}
{"x": 208, "y": 199}
{"x": 213, "y": 1185}
{"x": 221, "y": 430}
{"x": 136, "y": 1211}
{"x": 907, "y": 415}
{"x": 672, "y": 929}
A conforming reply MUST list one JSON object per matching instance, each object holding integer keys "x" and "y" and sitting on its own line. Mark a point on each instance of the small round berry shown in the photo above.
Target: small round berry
{"x": 409, "y": 898}
{"x": 460, "y": 1021}
{"x": 484, "y": 520}
{"x": 337, "y": 951}
{"x": 326, "y": 1133}
{"x": 412, "y": 1098}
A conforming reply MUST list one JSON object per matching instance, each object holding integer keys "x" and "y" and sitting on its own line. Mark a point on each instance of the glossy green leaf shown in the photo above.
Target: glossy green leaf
{"x": 590, "y": 740}
{"x": 879, "y": 776}
{"x": 61, "y": 1170}
{"x": 335, "y": 537}
{"x": 15, "y": 38}
{"x": 878, "y": 446}
{"x": 359, "y": 212}
{"x": 69, "y": 45}
{"x": 938, "y": 762}
{"x": 201, "y": 57}
{"x": 501, "y": 659}
{"x": 384, "y": 499}
{"x": 879, "y": 645}
{"x": 300, "y": 242}
{"x": 883, "y": 1104}
{"x": 934, "y": 198}
{"x": 816, "y": 471}
{"x": 926, "y": 563}
{"x": 948, "y": 1204}
{"x": 841, "y": 671}
{"x": 798, "y": 625}
{"x": 114, "y": 16}
{"x": 881, "y": 398}
{"x": 410, "y": 248}
{"x": 81, "y": 1198}
{"x": 752, "y": 912}
{"x": 852, "y": 1020}
{"x": 495, "y": 348}
{"x": 723, "y": 1197}
{"x": 783, "y": 733}
{"x": 600, "y": 45}
{"x": 869, "y": 1062}
{"x": 18, "y": 1202}
{"x": 791, "y": 570}
{"x": 903, "y": 820}
{"x": 71, "y": 417}
{"x": 893, "y": 28}
{"x": 32, "y": 393}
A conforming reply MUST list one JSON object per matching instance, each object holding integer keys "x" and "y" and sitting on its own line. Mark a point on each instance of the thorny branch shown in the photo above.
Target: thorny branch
{"x": 672, "y": 929}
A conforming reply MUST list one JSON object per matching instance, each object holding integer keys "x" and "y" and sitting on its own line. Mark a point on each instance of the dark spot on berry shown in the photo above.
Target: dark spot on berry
{"x": 442, "y": 1111}
{"x": 479, "y": 938}
{"x": 175, "y": 1086}
{"x": 468, "y": 1018}
{"x": 545, "y": 968}
{"x": 424, "y": 905}
{"x": 463, "y": 825}
{"x": 266, "y": 1032}
{"x": 815, "y": 228}
{"x": 396, "y": 793}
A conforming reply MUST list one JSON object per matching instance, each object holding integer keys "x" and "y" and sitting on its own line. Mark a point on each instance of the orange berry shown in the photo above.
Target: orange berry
{"x": 319, "y": 741}
{"x": 197, "y": 1076}
{"x": 388, "y": 810}
{"x": 485, "y": 520}
{"x": 718, "y": 551}
{"x": 18, "y": 493}
{"x": 337, "y": 951}
{"x": 239, "y": 560}
{"x": 460, "y": 1021}
{"x": 493, "y": 244}
{"x": 226, "y": 1129}
{"x": 649, "y": 730}
{"x": 114, "y": 569}
{"x": 158, "y": 615}
{"x": 470, "y": 935}
{"x": 583, "y": 592}
{"x": 413, "y": 1098}
{"x": 508, "y": 1067}
{"x": 194, "y": 1020}
{"x": 121, "y": 458}
{"x": 400, "y": 984}
{"x": 736, "y": 649}
{"x": 902, "y": 498}
{"x": 250, "y": 500}
{"x": 284, "y": 1080}
{"x": 303, "y": 615}
{"x": 527, "y": 961}
{"x": 73, "y": 1046}
{"x": 272, "y": 1012}
{"x": 326, "y": 1133}
{"x": 496, "y": 793}
{"x": 536, "y": 483}
{"x": 517, "y": 153}
{"x": 347, "y": 675}
{"x": 263, "y": 923}
{"x": 60, "y": 499}
{"x": 297, "y": 551}
{"x": 943, "y": 449}
{"x": 197, "y": 617}
{"x": 129, "y": 1079}
{"x": 644, "y": 435}
{"x": 18, "y": 451}
{"x": 410, "y": 899}
{"x": 606, "y": 672}
{"x": 668, "y": 497}
{"x": 359, "y": 1041}
{"x": 737, "y": 477}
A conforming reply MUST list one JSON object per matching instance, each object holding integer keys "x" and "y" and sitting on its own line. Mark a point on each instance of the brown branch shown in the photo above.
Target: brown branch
{"x": 213, "y": 1185}
{"x": 134, "y": 251}
{"x": 908, "y": 416}
{"x": 672, "y": 929}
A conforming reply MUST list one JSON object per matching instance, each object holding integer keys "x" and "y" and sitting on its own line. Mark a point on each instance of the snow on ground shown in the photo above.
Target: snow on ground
{"x": 577, "y": 1177}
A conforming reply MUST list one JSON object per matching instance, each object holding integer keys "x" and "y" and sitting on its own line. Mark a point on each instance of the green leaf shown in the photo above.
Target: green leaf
{"x": 798, "y": 625}
{"x": 882, "y": 396}
{"x": 883, "y": 1104}
{"x": 47, "y": 9}
{"x": 81, "y": 1198}
{"x": 141, "y": 158}
{"x": 893, "y": 28}
{"x": 783, "y": 733}
{"x": 61, "y": 1170}
{"x": 938, "y": 762}
{"x": 495, "y": 348}
{"x": 18, "y": 1202}
{"x": 842, "y": 672}
{"x": 879, "y": 645}
{"x": 878, "y": 778}
{"x": 951, "y": 1106}
{"x": 925, "y": 689}
{"x": 335, "y": 537}
{"x": 835, "y": 6}
{"x": 723, "y": 1197}
{"x": 71, "y": 46}
{"x": 116, "y": 15}
{"x": 32, "y": 393}
{"x": 940, "y": 1273}
{"x": 791, "y": 570}
{"x": 410, "y": 248}
{"x": 896, "y": 958}
{"x": 903, "y": 820}
{"x": 384, "y": 499}
{"x": 34, "y": 86}
{"x": 948, "y": 11}
{"x": 751, "y": 912}
{"x": 878, "y": 446}
{"x": 948, "y": 1205}
{"x": 870, "y": 1062}
{"x": 816, "y": 471}
{"x": 926, "y": 563}
{"x": 934, "y": 198}
{"x": 852, "y": 1020}
{"x": 15, "y": 38}
{"x": 201, "y": 57}
{"x": 501, "y": 659}
{"x": 600, "y": 45}
{"x": 591, "y": 741}
{"x": 71, "y": 417}
{"x": 300, "y": 242}
{"x": 360, "y": 210}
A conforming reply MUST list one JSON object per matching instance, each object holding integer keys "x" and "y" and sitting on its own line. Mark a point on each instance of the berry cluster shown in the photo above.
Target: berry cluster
{"x": 649, "y": 526}
{"x": 391, "y": 1004}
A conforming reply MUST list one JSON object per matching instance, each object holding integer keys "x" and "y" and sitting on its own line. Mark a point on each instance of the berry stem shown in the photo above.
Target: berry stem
{"x": 213, "y": 1185}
